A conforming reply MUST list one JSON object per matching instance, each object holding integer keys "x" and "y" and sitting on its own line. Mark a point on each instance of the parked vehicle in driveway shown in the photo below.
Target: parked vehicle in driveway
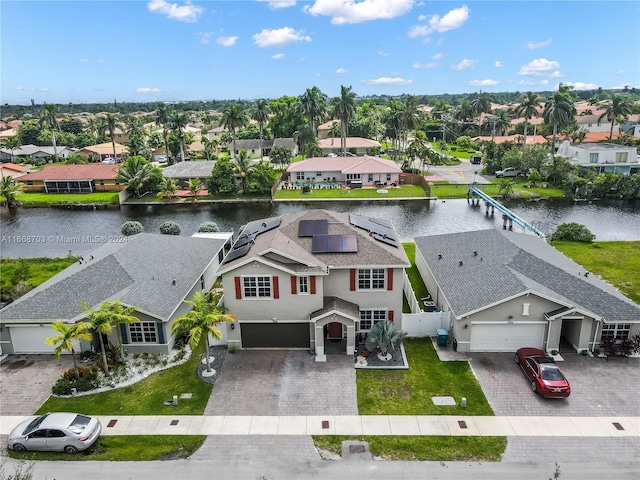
{"x": 55, "y": 432}
{"x": 507, "y": 172}
{"x": 543, "y": 373}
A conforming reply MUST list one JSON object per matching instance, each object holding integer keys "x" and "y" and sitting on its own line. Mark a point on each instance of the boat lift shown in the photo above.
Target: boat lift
{"x": 474, "y": 194}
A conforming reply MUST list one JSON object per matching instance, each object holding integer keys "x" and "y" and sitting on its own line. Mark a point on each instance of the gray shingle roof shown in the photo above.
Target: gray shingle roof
{"x": 331, "y": 304}
{"x": 189, "y": 170}
{"x": 508, "y": 264}
{"x": 139, "y": 272}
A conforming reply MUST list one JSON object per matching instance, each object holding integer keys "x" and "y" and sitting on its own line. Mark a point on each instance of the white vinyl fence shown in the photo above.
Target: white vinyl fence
{"x": 420, "y": 323}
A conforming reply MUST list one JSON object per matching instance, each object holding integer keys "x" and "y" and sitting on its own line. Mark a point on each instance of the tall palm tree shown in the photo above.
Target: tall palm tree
{"x": 162, "y": 119}
{"x": 136, "y": 133}
{"x": 135, "y": 173}
{"x": 96, "y": 126}
{"x": 234, "y": 117}
{"x": 112, "y": 123}
{"x": 501, "y": 122}
{"x": 481, "y": 104}
{"x": 559, "y": 110}
{"x": 260, "y": 114}
{"x": 48, "y": 120}
{"x": 167, "y": 187}
{"x": 243, "y": 167}
{"x": 178, "y": 121}
{"x": 344, "y": 108}
{"x": 66, "y": 337}
{"x": 409, "y": 119}
{"x": 619, "y": 107}
{"x": 12, "y": 143}
{"x": 529, "y": 107}
{"x": 9, "y": 188}
{"x": 203, "y": 319}
{"x": 313, "y": 105}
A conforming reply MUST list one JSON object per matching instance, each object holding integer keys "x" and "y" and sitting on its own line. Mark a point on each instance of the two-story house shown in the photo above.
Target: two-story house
{"x": 312, "y": 280}
{"x": 603, "y": 157}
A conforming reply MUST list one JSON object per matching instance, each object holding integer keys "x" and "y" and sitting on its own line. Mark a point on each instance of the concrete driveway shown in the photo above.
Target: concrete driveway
{"x": 598, "y": 388}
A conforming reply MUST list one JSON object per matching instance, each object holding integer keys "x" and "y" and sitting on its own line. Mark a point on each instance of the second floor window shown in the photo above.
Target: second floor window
{"x": 256, "y": 287}
{"x": 593, "y": 158}
{"x": 303, "y": 285}
{"x": 371, "y": 279}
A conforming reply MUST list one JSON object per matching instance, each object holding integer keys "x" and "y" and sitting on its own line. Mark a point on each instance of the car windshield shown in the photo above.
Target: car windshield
{"x": 35, "y": 423}
{"x": 79, "y": 423}
{"x": 551, "y": 373}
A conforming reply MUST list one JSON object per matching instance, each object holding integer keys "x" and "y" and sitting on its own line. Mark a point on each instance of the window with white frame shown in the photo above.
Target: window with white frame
{"x": 388, "y": 177}
{"x": 370, "y": 178}
{"x": 616, "y": 331}
{"x": 370, "y": 317}
{"x": 299, "y": 175}
{"x": 143, "y": 332}
{"x": 621, "y": 157}
{"x": 353, "y": 176}
{"x": 256, "y": 287}
{"x": 593, "y": 157}
{"x": 303, "y": 285}
{"x": 371, "y": 279}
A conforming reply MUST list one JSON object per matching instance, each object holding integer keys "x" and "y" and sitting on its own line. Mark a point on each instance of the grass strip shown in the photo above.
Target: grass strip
{"x": 52, "y": 199}
{"x": 404, "y": 191}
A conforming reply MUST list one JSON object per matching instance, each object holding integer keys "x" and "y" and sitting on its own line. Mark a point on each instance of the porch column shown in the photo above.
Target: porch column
{"x": 320, "y": 356}
{"x": 351, "y": 339}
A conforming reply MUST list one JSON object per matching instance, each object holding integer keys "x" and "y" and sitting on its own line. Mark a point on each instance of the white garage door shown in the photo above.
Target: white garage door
{"x": 507, "y": 337}
{"x": 32, "y": 339}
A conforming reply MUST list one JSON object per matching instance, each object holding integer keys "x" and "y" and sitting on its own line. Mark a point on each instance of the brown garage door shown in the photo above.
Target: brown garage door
{"x": 275, "y": 335}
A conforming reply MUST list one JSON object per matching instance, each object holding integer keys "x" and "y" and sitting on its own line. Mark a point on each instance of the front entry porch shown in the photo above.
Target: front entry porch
{"x": 334, "y": 328}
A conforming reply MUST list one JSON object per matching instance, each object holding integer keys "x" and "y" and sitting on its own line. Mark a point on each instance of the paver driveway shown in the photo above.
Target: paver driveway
{"x": 284, "y": 382}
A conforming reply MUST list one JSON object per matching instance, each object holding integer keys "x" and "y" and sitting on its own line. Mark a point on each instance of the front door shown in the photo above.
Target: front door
{"x": 334, "y": 331}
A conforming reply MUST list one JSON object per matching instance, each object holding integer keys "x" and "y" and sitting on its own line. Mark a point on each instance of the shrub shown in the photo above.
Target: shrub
{"x": 90, "y": 373}
{"x": 573, "y": 232}
{"x": 170, "y": 228}
{"x": 208, "y": 227}
{"x": 131, "y": 228}
{"x": 64, "y": 385}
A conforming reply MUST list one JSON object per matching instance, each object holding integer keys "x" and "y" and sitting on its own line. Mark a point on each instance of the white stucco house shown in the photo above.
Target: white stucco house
{"x": 354, "y": 145}
{"x": 371, "y": 171}
{"x": 603, "y": 157}
{"x": 312, "y": 280}
{"x": 507, "y": 290}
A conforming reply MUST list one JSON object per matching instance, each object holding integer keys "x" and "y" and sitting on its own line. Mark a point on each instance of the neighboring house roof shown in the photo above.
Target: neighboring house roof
{"x": 497, "y": 139}
{"x": 30, "y": 150}
{"x": 189, "y": 170}
{"x": 365, "y": 164}
{"x": 73, "y": 172}
{"x": 284, "y": 142}
{"x": 352, "y": 142}
{"x": 196, "y": 146}
{"x": 139, "y": 272}
{"x": 251, "y": 144}
{"x": 282, "y": 248}
{"x": 509, "y": 264}
{"x": 11, "y": 132}
{"x": 218, "y": 130}
{"x": 13, "y": 167}
{"x": 106, "y": 149}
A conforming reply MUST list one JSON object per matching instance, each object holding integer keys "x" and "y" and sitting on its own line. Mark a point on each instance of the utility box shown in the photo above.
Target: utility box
{"x": 443, "y": 337}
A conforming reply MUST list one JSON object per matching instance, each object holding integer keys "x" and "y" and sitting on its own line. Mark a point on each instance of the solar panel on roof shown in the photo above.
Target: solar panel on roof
{"x": 309, "y": 228}
{"x": 389, "y": 240}
{"x": 237, "y": 253}
{"x": 334, "y": 244}
{"x": 381, "y": 224}
{"x": 243, "y": 240}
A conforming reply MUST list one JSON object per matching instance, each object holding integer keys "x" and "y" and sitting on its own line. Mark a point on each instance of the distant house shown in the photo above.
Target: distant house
{"x": 35, "y": 151}
{"x": 105, "y": 150}
{"x": 185, "y": 171}
{"x": 12, "y": 170}
{"x": 498, "y": 139}
{"x": 216, "y": 133}
{"x": 253, "y": 146}
{"x": 371, "y": 171}
{"x": 603, "y": 157}
{"x": 152, "y": 272}
{"x": 354, "y": 145}
{"x": 73, "y": 179}
{"x": 325, "y": 129}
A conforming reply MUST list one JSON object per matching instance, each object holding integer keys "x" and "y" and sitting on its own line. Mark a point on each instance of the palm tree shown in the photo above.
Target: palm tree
{"x": 9, "y": 188}
{"x": 528, "y": 108}
{"x": 313, "y": 105}
{"x": 203, "y": 319}
{"x": 409, "y": 120}
{"x": 112, "y": 124}
{"x": 417, "y": 146}
{"x": 178, "y": 122}
{"x": 194, "y": 186}
{"x": 12, "y": 143}
{"x": 167, "y": 187}
{"x": 501, "y": 122}
{"x": 233, "y": 117}
{"x": 344, "y": 108}
{"x": 135, "y": 173}
{"x": 260, "y": 114}
{"x": 67, "y": 336}
{"x": 48, "y": 119}
{"x": 243, "y": 166}
{"x": 481, "y": 104}
{"x": 619, "y": 107}
{"x": 559, "y": 110}
{"x": 505, "y": 187}
{"x": 136, "y": 133}
{"x": 162, "y": 119}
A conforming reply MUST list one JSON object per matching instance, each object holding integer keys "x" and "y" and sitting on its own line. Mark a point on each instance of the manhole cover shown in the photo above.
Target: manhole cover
{"x": 443, "y": 400}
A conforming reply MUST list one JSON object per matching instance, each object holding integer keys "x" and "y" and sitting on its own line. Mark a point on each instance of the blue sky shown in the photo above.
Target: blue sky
{"x": 171, "y": 50}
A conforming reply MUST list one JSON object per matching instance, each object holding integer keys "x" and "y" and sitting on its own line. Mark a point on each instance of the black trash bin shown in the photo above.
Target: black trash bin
{"x": 443, "y": 337}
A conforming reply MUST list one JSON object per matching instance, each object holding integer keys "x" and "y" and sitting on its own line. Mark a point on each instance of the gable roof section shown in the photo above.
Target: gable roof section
{"x": 351, "y": 142}
{"x": 510, "y": 264}
{"x": 188, "y": 170}
{"x": 106, "y": 149}
{"x": 13, "y": 167}
{"x": 139, "y": 272}
{"x": 73, "y": 172}
{"x": 365, "y": 164}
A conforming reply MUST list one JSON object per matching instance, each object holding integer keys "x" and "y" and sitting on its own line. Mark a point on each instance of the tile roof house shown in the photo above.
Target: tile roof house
{"x": 602, "y": 157}
{"x": 313, "y": 280}
{"x": 371, "y": 171}
{"x": 12, "y": 170}
{"x": 497, "y": 139}
{"x": 105, "y": 150}
{"x": 88, "y": 178}
{"x": 152, "y": 272}
{"x": 35, "y": 151}
{"x": 354, "y": 145}
{"x": 507, "y": 290}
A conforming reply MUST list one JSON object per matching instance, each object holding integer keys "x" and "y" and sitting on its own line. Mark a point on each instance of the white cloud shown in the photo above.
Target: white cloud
{"x": 350, "y": 11}
{"x": 483, "y": 83}
{"x": 187, "y": 13}
{"x": 437, "y": 56}
{"x": 86, "y": 60}
{"x": 422, "y": 18}
{"x": 619, "y": 72}
{"x": 465, "y": 64}
{"x": 556, "y": 74}
{"x": 382, "y": 53}
{"x": 276, "y": 4}
{"x": 148, "y": 90}
{"x": 205, "y": 37}
{"x": 32, "y": 89}
{"x": 579, "y": 85}
{"x": 277, "y": 56}
{"x": 498, "y": 64}
{"x": 450, "y": 21}
{"x": 538, "y": 67}
{"x": 426, "y": 65}
{"x": 388, "y": 81}
{"x": 227, "y": 41}
{"x": 279, "y": 37}
{"x": 544, "y": 81}
{"x": 341, "y": 70}
{"x": 535, "y": 45}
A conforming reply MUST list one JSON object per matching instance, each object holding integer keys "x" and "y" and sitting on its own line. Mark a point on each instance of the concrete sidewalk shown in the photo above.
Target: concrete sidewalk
{"x": 510, "y": 426}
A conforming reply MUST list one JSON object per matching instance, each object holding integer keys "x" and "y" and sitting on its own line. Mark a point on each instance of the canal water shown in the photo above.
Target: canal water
{"x": 54, "y": 232}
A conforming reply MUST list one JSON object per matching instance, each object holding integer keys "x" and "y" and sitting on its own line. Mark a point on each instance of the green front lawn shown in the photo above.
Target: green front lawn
{"x": 145, "y": 397}
{"x": 129, "y": 448}
{"x": 412, "y": 191}
{"x": 520, "y": 189}
{"x": 51, "y": 199}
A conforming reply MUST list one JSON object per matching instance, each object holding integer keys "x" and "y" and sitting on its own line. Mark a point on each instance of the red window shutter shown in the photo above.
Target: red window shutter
{"x": 390, "y": 315}
{"x": 294, "y": 285}
{"x": 313, "y": 285}
{"x": 276, "y": 290}
{"x": 238, "y": 288}
{"x": 352, "y": 280}
{"x": 389, "y": 278}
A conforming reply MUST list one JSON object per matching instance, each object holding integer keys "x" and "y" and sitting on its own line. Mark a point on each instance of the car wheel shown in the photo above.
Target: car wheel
{"x": 517, "y": 359}
{"x": 534, "y": 387}
{"x": 18, "y": 447}
{"x": 70, "y": 449}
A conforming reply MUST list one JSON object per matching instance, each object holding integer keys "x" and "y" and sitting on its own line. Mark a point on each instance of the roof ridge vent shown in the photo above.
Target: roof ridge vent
{"x": 460, "y": 263}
